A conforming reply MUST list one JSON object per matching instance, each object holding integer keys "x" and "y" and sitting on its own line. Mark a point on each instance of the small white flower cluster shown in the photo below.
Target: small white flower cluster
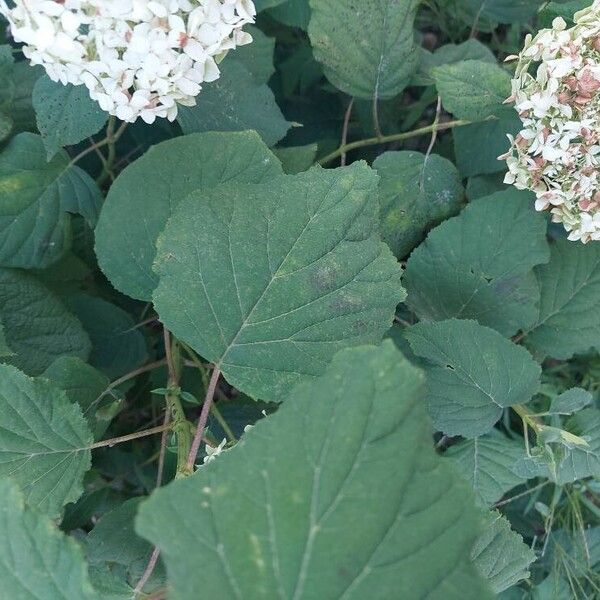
{"x": 556, "y": 91}
{"x": 138, "y": 58}
{"x": 212, "y": 452}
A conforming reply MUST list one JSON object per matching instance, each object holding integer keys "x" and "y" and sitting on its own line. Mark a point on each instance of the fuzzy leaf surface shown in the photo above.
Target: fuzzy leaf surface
{"x": 147, "y": 193}
{"x": 269, "y": 281}
{"x": 353, "y": 447}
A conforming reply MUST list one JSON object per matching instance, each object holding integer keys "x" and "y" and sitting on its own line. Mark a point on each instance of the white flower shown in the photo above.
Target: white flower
{"x": 213, "y": 452}
{"x": 138, "y": 58}
{"x": 556, "y": 91}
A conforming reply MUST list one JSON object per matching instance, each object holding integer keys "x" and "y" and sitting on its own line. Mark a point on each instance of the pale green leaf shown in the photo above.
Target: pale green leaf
{"x": 235, "y": 102}
{"x": 474, "y": 373}
{"x": 367, "y": 48}
{"x": 145, "y": 195}
{"x": 340, "y": 493}
{"x": 36, "y": 559}
{"x": 568, "y": 321}
{"x": 44, "y": 440}
{"x": 501, "y": 555}
{"x": 472, "y": 89}
{"x": 36, "y": 198}
{"x": 479, "y": 265}
{"x": 296, "y": 159}
{"x": 570, "y": 401}
{"x": 37, "y": 324}
{"x": 118, "y": 346}
{"x": 416, "y": 193}
{"x": 269, "y": 281}
{"x": 487, "y": 464}
{"x": 65, "y": 114}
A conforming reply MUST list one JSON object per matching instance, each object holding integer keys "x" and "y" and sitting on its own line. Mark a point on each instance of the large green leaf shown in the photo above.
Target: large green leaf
{"x": 472, "y": 89}
{"x": 487, "y": 463}
{"x": 474, "y": 374}
{"x": 37, "y": 325}
{"x": 367, "y": 47}
{"x": 36, "y": 559}
{"x": 145, "y": 195}
{"x": 501, "y": 555}
{"x": 479, "y": 265}
{"x": 65, "y": 114}
{"x": 118, "y": 346}
{"x": 269, "y": 281}
{"x": 416, "y": 193}
{"x": 36, "y": 198}
{"x": 257, "y": 57}
{"x": 44, "y": 440}
{"x": 568, "y": 321}
{"x": 340, "y": 493}
{"x": 235, "y": 102}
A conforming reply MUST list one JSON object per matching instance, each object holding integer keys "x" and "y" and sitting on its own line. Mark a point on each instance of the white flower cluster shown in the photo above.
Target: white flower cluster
{"x": 138, "y": 58}
{"x": 556, "y": 91}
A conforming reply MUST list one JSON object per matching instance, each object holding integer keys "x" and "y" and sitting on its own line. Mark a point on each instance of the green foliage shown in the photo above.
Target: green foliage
{"x": 44, "y": 440}
{"x": 479, "y": 265}
{"x": 37, "y": 199}
{"x": 366, "y": 48}
{"x": 269, "y": 281}
{"x": 36, "y": 560}
{"x": 474, "y": 373}
{"x": 195, "y": 399}
{"x": 65, "y": 115}
{"x": 304, "y": 475}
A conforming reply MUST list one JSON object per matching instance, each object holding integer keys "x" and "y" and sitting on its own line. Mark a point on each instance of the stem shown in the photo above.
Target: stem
{"x": 396, "y": 137}
{"x": 528, "y": 417}
{"x": 345, "y": 131}
{"x": 112, "y": 137}
{"x": 208, "y": 400}
{"x": 376, "y": 125}
{"x": 130, "y": 436}
{"x": 147, "y": 572}
{"x": 222, "y": 422}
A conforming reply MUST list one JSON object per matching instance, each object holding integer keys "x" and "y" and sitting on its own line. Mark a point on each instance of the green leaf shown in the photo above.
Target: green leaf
{"x": 504, "y": 11}
{"x": 570, "y": 401}
{"x": 235, "y": 102}
{"x": 416, "y": 193}
{"x": 22, "y": 112}
{"x": 564, "y": 464}
{"x": 478, "y": 146}
{"x": 36, "y": 198}
{"x": 5, "y": 349}
{"x": 564, "y": 9}
{"x": 293, "y": 13}
{"x": 501, "y": 555}
{"x": 474, "y": 373}
{"x": 472, "y": 49}
{"x": 340, "y": 493}
{"x": 113, "y": 541}
{"x": 296, "y": 159}
{"x": 83, "y": 385}
{"x": 44, "y": 441}
{"x": 7, "y": 77}
{"x": 36, "y": 559}
{"x": 479, "y": 265}
{"x": 367, "y": 48}
{"x": 6, "y": 126}
{"x": 65, "y": 114}
{"x": 37, "y": 324}
{"x": 269, "y": 281}
{"x": 568, "y": 321}
{"x": 147, "y": 192}
{"x": 118, "y": 347}
{"x": 487, "y": 464}
{"x": 257, "y": 57}
{"x": 472, "y": 89}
